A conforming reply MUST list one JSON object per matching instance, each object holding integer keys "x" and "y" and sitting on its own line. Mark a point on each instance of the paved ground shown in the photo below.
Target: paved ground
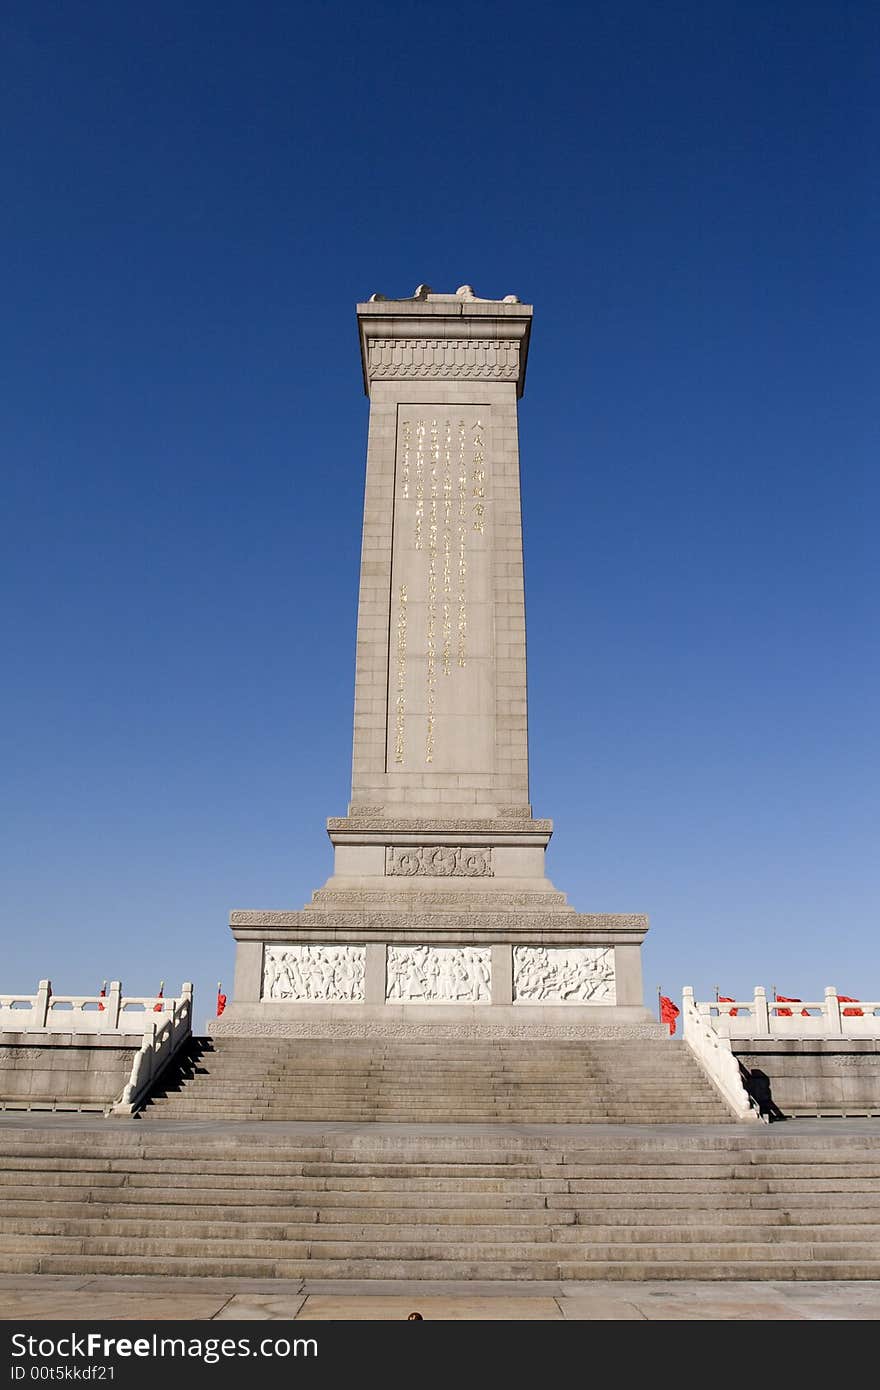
{"x": 823, "y": 1132}
{"x": 104, "y": 1298}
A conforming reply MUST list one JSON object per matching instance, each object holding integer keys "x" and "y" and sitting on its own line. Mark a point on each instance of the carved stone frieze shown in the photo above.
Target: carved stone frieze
{"x": 438, "y": 974}
{"x": 457, "y": 826}
{"x": 314, "y": 974}
{"x": 563, "y": 975}
{"x": 403, "y": 900}
{"x": 438, "y": 861}
{"x": 403, "y": 1029}
{"x": 487, "y": 912}
{"x": 444, "y": 358}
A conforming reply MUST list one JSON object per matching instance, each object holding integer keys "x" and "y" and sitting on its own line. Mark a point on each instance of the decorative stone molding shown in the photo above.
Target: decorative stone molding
{"x": 397, "y": 825}
{"x": 364, "y": 810}
{"x": 445, "y": 358}
{"x": 314, "y": 974}
{"x": 438, "y": 861}
{"x": 494, "y": 918}
{"x": 563, "y": 975}
{"x": 438, "y": 974}
{"x": 377, "y": 900}
{"x": 401, "y": 1029}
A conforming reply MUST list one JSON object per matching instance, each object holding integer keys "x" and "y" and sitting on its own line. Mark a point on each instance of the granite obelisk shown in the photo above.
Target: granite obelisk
{"x": 439, "y": 919}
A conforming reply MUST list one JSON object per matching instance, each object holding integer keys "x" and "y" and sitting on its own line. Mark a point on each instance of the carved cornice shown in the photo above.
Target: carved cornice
{"x": 477, "y": 331}
{"x": 406, "y": 923}
{"x": 469, "y": 359}
{"x": 507, "y": 825}
{"x": 572, "y": 921}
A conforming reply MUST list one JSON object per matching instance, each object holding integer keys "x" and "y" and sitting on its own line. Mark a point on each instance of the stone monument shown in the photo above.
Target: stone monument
{"x": 439, "y": 920}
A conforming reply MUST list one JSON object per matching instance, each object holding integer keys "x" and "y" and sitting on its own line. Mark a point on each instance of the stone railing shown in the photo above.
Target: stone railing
{"x": 46, "y": 1011}
{"x": 760, "y": 1017}
{"x": 161, "y": 1041}
{"x": 714, "y": 1054}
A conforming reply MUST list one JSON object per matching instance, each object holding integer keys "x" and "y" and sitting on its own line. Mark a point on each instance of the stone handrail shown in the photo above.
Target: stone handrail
{"x": 714, "y": 1054}
{"x": 161, "y": 1041}
{"x": 47, "y": 1012}
{"x": 760, "y": 1017}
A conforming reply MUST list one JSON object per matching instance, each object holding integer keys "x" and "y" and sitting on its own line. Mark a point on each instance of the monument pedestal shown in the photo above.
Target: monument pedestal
{"x": 439, "y": 919}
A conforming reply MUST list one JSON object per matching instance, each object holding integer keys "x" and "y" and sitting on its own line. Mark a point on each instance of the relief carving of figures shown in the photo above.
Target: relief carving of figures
{"x": 314, "y": 974}
{"x": 438, "y": 861}
{"x": 438, "y": 974}
{"x": 563, "y": 975}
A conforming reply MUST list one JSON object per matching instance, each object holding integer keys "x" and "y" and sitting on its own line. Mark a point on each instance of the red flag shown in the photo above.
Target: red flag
{"x": 850, "y": 1013}
{"x": 726, "y": 999}
{"x": 157, "y": 1008}
{"x": 102, "y": 995}
{"x": 221, "y": 1001}
{"x": 668, "y": 1012}
{"x": 786, "y": 1013}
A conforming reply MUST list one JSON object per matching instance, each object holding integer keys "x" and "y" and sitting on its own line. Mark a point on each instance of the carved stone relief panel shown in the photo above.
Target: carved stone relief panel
{"x": 439, "y": 974}
{"x": 314, "y": 974}
{"x": 419, "y": 358}
{"x": 563, "y": 975}
{"x": 438, "y": 861}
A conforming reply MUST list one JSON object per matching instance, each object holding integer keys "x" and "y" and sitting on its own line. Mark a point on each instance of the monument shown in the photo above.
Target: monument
{"x": 439, "y": 920}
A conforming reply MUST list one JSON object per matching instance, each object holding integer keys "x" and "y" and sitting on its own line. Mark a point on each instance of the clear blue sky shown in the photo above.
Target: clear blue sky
{"x": 194, "y": 198}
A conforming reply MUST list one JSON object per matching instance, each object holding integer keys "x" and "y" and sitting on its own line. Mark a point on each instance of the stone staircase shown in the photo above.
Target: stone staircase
{"x": 272, "y": 1201}
{"x": 613, "y": 1082}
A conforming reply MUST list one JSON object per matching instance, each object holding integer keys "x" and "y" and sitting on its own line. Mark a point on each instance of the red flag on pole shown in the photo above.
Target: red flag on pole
{"x": 726, "y": 999}
{"x": 221, "y": 1000}
{"x": 786, "y": 1013}
{"x": 850, "y": 1013}
{"x": 668, "y": 1012}
{"x": 157, "y": 1007}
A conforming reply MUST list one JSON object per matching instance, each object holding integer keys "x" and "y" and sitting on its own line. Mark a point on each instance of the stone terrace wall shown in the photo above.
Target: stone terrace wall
{"x": 811, "y": 1076}
{"x": 64, "y": 1069}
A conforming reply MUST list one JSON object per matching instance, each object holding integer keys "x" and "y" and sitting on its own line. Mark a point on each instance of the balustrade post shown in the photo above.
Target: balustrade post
{"x": 760, "y": 1012}
{"x": 114, "y": 1004}
{"x": 41, "y": 1007}
{"x": 833, "y": 1020}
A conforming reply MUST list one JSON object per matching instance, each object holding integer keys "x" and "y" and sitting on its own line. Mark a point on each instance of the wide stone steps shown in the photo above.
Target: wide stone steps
{"x": 626, "y": 1081}
{"x": 591, "y": 1222}
{"x": 470, "y": 1246}
{"x": 399, "y": 1204}
{"x": 566, "y": 1230}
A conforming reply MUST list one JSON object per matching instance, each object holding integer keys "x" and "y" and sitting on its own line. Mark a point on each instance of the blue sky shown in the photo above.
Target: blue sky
{"x": 194, "y": 199}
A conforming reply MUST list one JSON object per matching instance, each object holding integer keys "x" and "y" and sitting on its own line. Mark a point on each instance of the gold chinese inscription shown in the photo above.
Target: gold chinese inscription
{"x": 462, "y": 546}
{"x": 443, "y": 471}
{"x": 400, "y": 707}
{"x": 479, "y": 477}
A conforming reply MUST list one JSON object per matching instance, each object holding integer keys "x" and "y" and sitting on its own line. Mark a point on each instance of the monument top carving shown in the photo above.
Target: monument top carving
{"x": 424, "y": 294}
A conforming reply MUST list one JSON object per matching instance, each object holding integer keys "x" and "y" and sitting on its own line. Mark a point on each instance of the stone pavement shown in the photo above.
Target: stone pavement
{"x": 111, "y": 1298}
